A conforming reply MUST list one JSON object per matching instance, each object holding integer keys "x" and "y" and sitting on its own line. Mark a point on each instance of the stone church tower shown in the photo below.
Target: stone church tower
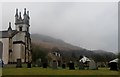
{"x": 23, "y": 40}
{"x": 18, "y": 41}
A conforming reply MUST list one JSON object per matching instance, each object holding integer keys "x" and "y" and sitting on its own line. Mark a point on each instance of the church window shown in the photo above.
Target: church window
{"x": 27, "y": 29}
{"x": 20, "y": 28}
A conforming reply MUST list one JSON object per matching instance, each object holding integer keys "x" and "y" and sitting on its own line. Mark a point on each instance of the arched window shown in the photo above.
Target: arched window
{"x": 20, "y": 28}
{"x": 28, "y": 29}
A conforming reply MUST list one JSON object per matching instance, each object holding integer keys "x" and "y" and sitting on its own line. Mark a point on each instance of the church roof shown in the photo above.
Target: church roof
{"x": 5, "y": 34}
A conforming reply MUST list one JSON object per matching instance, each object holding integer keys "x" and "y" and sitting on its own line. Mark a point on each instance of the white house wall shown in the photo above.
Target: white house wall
{"x": 19, "y": 37}
{"x": 16, "y": 52}
{"x": 24, "y": 27}
{"x": 5, "y": 42}
{"x": 22, "y": 52}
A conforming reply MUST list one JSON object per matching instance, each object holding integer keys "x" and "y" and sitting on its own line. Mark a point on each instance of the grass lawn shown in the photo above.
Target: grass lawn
{"x": 50, "y": 71}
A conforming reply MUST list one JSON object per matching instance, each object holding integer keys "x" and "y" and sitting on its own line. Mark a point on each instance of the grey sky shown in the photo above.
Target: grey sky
{"x": 89, "y": 25}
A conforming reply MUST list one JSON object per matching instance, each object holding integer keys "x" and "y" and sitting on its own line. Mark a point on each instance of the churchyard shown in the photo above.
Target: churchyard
{"x": 12, "y": 70}
{"x": 84, "y": 66}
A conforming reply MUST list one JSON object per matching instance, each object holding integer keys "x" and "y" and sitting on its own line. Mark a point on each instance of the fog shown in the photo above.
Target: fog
{"x": 91, "y": 25}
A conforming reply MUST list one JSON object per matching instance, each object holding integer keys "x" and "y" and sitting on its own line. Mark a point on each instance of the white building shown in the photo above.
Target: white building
{"x": 16, "y": 44}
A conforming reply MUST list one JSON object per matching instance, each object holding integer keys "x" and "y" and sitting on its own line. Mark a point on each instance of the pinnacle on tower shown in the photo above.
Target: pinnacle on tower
{"x": 20, "y": 18}
{"x": 16, "y": 15}
{"x": 28, "y": 13}
{"x": 9, "y": 26}
{"x": 24, "y": 11}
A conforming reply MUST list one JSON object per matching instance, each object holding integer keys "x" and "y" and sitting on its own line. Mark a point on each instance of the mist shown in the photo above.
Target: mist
{"x": 91, "y": 25}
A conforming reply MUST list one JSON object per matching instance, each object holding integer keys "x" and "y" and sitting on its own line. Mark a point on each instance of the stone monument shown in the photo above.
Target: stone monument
{"x": 19, "y": 63}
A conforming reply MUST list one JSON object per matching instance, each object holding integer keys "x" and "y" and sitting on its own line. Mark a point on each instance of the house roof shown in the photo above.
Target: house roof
{"x": 5, "y": 34}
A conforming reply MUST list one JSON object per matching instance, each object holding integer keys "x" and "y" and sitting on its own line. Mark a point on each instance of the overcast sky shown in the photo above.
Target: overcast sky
{"x": 91, "y": 25}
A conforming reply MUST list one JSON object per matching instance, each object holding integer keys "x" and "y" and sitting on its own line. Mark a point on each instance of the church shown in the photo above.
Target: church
{"x": 16, "y": 44}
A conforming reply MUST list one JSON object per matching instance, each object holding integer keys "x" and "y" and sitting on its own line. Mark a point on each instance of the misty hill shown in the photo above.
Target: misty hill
{"x": 102, "y": 52}
{"x": 68, "y": 49}
{"x": 50, "y": 42}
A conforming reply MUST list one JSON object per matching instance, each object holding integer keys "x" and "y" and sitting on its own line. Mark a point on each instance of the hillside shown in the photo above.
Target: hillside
{"x": 66, "y": 48}
{"x": 102, "y": 52}
{"x": 50, "y": 42}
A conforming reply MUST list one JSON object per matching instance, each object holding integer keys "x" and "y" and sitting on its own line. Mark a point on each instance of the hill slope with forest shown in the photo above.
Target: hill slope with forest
{"x": 69, "y": 50}
{"x": 50, "y": 42}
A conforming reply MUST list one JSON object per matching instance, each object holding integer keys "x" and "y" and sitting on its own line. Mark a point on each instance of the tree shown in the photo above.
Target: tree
{"x": 119, "y": 60}
{"x": 38, "y": 52}
{"x": 55, "y": 49}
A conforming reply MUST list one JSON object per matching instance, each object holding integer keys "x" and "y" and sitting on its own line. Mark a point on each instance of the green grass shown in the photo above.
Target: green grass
{"x": 49, "y": 71}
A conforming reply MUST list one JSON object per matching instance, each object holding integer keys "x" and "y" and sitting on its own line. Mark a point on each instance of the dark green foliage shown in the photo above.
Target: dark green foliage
{"x": 97, "y": 56}
{"x": 70, "y": 52}
{"x": 119, "y": 60}
{"x": 38, "y": 52}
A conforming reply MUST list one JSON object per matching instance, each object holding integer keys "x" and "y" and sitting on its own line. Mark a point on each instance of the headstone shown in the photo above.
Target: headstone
{"x": 86, "y": 65}
{"x": 1, "y": 63}
{"x": 54, "y": 64}
{"x": 71, "y": 65}
{"x": 81, "y": 65}
{"x": 44, "y": 65}
{"x": 113, "y": 66}
{"x": 92, "y": 65}
{"x": 33, "y": 64}
{"x": 63, "y": 66}
{"x": 39, "y": 64}
{"x": 29, "y": 65}
{"x": 19, "y": 63}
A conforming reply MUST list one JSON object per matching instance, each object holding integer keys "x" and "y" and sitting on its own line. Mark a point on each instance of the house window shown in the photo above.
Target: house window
{"x": 27, "y": 29}
{"x": 20, "y": 28}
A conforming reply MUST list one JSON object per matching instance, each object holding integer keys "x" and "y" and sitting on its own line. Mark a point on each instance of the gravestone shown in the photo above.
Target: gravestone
{"x": 39, "y": 64}
{"x": 63, "y": 66}
{"x": 33, "y": 64}
{"x": 54, "y": 64}
{"x": 71, "y": 65}
{"x": 113, "y": 66}
{"x": 81, "y": 65}
{"x": 86, "y": 65}
{"x": 29, "y": 65}
{"x": 1, "y": 63}
{"x": 92, "y": 65}
{"x": 44, "y": 65}
{"x": 19, "y": 63}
